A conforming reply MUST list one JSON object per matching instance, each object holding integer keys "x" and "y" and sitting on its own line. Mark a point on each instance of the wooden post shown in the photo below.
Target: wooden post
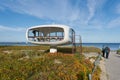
{"x": 80, "y": 45}
{"x": 73, "y": 42}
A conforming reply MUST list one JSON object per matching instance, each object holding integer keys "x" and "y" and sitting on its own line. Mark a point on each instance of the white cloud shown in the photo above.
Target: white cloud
{"x": 53, "y": 9}
{"x": 114, "y": 23}
{"x": 118, "y": 9}
{"x": 61, "y": 11}
{"x": 4, "y": 28}
{"x": 93, "y": 5}
{"x": 9, "y": 34}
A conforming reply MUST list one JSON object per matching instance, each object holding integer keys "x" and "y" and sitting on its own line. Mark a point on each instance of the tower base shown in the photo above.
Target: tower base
{"x": 53, "y": 49}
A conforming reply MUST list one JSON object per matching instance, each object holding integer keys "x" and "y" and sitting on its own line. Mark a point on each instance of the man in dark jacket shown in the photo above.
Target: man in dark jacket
{"x": 107, "y": 51}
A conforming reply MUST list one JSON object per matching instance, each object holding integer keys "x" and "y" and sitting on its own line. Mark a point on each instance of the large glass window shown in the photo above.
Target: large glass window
{"x": 47, "y": 34}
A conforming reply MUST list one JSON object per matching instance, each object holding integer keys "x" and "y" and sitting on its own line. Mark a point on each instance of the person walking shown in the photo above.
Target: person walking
{"x": 107, "y": 51}
{"x": 103, "y": 51}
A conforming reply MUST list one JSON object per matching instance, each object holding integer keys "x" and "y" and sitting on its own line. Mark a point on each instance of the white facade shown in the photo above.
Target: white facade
{"x": 52, "y": 35}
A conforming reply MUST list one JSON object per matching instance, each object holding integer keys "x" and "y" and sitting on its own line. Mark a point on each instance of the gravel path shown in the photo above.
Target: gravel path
{"x": 112, "y": 65}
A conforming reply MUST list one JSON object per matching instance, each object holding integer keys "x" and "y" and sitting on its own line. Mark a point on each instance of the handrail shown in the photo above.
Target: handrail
{"x": 96, "y": 63}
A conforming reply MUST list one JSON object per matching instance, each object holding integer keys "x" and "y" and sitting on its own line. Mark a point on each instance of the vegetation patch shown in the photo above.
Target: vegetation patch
{"x": 28, "y": 63}
{"x": 118, "y": 51}
{"x": 90, "y": 49}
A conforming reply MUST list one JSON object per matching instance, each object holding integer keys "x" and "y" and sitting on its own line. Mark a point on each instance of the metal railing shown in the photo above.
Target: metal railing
{"x": 96, "y": 63}
{"x": 77, "y": 42}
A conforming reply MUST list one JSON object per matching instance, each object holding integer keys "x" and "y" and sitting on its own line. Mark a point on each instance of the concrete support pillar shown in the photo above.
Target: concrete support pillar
{"x": 53, "y": 49}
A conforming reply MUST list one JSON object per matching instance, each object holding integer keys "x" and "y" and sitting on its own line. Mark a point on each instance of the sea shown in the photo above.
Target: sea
{"x": 113, "y": 46}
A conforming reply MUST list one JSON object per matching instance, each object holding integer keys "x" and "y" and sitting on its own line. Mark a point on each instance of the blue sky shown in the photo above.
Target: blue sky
{"x": 94, "y": 20}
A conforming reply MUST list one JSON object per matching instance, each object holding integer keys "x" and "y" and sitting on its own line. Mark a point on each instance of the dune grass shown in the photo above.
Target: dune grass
{"x": 118, "y": 51}
{"x": 31, "y": 63}
{"x": 91, "y": 49}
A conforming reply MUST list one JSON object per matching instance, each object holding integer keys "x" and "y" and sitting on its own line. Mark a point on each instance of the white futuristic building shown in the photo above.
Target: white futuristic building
{"x": 52, "y": 35}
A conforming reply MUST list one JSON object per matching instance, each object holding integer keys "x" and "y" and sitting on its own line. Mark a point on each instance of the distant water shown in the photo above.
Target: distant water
{"x": 15, "y": 44}
{"x": 113, "y": 46}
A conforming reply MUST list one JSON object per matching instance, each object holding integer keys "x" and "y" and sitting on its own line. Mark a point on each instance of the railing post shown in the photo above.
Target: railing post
{"x": 89, "y": 77}
{"x": 80, "y": 45}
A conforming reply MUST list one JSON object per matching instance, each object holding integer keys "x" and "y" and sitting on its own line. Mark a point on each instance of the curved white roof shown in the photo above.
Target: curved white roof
{"x": 52, "y": 25}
